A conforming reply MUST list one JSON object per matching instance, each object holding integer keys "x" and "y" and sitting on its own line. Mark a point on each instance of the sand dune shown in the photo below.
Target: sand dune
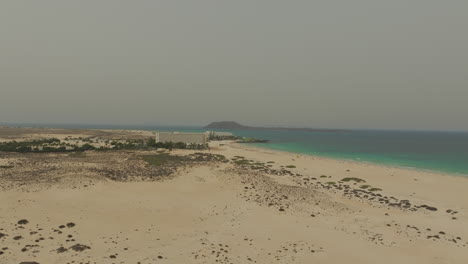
{"x": 277, "y": 208}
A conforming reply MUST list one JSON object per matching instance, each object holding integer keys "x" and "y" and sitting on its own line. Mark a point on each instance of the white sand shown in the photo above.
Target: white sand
{"x": 206, "y": 215}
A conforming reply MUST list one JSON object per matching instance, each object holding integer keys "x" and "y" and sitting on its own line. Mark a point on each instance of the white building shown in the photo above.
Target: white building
{"x": 219, "y": 134}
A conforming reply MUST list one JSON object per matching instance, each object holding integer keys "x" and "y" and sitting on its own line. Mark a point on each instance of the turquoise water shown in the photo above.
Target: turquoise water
{"x": 438, "y": 151}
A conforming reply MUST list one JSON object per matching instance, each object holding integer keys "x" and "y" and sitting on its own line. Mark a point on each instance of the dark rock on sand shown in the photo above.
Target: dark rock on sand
{"x": 61, "y": 250}
{"x": 79, "y": 247}
{"x": 23, "y": 222}
{"x": 430, "y": 208}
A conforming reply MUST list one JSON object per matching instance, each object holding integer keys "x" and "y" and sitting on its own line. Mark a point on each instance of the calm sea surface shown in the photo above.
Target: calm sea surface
{"x": 438, "y": 151}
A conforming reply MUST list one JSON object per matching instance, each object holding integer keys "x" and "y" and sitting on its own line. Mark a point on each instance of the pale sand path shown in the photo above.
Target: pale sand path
{"x": 186, "y": 219}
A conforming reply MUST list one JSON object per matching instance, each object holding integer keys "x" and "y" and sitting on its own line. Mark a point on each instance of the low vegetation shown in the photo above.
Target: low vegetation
{"x": 213, "y": 137}
{"x": 163, "y": 159}
{"x": 242, "y": 162}
{"x": 80, "y": 145}
{"x": 349, "y": 179}
{"x": 251, "y": 140}
{"x": 159, "y": 159}
{"x": 44, "y": 145}
{"x": 77, "y": 155}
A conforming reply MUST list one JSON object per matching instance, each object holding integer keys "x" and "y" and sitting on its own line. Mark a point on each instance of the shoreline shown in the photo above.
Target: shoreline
{"x": 378, "y": 163}
{"x": 432, "y": 171}
{"x": 232, "y": 203}
{"x": 422, "y": 185}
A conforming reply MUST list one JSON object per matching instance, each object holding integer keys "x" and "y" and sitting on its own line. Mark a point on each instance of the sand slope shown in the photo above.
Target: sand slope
{"x": 220, "y": 213}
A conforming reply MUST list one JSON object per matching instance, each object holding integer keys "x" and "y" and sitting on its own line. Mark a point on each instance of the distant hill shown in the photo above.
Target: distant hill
{"x": 231, "y": 125}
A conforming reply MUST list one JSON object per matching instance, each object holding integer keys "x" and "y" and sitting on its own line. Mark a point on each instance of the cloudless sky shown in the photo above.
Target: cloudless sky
{"x": 400, "y": 64}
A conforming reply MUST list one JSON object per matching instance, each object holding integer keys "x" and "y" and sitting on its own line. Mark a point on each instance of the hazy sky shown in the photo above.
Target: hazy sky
{"x": 399, "y": 64}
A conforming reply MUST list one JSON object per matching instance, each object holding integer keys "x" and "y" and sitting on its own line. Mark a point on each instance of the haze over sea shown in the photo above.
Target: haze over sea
{"x": 428, "y": 150}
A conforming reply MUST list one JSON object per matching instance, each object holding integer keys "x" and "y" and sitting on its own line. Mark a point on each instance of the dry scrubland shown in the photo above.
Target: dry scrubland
{"x": 230, "y": 204}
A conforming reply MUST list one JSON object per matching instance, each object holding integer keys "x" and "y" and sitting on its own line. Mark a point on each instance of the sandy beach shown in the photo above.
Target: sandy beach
{"x": 250, "y": 206}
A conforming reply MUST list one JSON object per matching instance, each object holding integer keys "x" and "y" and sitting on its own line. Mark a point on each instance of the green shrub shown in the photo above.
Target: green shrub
{"x": 242, "y": 162}
{"x": 157, "y": 160}
{"x": 87, "y": 147}
{"x": 352, "y": 179}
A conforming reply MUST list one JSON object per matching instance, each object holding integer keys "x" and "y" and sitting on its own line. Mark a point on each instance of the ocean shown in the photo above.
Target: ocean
{"x": 445, "y": 152}
{"x": 437, "y": 151}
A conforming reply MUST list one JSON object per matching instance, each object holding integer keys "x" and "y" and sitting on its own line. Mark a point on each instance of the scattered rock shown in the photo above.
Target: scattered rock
{"x": 61, "y": 250}
{"x": 430, "y": 208}
{"x": 23, "y": 222}
{"x": 79, "y": 247}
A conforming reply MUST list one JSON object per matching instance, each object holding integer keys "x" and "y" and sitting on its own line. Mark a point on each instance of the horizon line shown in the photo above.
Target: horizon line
{"x": 45, "y": 124}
